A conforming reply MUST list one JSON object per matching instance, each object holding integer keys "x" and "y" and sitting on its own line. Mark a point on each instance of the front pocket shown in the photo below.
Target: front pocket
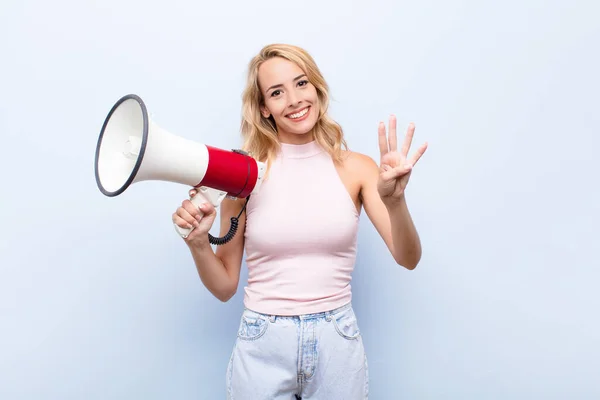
{"x": 346, "y": 324}
{"x": 252, "y": 327}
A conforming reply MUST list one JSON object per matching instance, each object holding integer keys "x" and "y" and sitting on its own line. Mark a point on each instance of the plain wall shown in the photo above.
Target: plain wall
{"x": 99, "y": 298}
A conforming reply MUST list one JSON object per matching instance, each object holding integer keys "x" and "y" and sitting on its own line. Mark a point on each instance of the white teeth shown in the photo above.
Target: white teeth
{"x": 300, "y": 114}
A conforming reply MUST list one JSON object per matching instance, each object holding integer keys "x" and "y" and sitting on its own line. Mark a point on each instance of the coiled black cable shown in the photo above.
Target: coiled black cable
{"x": 232, "y": 229}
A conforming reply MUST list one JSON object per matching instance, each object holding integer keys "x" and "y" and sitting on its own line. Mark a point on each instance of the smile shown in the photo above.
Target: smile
{"x": 299, "y": 115}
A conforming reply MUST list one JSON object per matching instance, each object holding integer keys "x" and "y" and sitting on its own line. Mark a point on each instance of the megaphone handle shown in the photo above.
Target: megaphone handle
{"x": 198, "y": 199}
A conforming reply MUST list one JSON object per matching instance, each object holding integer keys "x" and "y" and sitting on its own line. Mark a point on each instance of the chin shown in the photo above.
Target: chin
{"x": 302, "y": 130}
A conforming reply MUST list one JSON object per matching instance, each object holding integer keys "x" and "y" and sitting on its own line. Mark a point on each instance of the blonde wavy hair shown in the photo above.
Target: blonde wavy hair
{"x": 259, "y": 133}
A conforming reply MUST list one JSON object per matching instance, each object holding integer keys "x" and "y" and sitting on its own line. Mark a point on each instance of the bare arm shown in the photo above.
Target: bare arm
{"x": 219, "y": 270}
{"x": 392, "y": 221}
{"x": 383, "y": 194}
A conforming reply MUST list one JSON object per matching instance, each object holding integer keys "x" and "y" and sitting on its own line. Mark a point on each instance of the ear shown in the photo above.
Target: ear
{"x": 265, "y": 113}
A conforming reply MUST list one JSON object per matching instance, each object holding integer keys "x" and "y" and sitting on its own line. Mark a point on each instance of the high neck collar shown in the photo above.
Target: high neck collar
{"x": 300, "y": 150}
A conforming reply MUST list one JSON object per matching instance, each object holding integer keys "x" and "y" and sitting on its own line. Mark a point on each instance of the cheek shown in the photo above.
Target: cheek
{"x": 275, "y": 107}
{"x": 316, "y": 106}
{"x": 315, "y": 99}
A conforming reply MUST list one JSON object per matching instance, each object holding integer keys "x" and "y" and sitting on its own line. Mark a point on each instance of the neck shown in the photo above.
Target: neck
{"x": 290, "y": 138}
{"x": 304, "y": 150}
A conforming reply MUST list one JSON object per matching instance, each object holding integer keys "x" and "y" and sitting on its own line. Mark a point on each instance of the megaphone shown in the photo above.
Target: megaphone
{"x": 132, "y": 148}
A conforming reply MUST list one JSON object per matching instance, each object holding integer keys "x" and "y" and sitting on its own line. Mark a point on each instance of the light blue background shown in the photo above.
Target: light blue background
{"x": 99, "y": 298}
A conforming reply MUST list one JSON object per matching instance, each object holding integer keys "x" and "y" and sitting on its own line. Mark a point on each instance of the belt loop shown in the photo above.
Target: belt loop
{"x": 272, "y": 318}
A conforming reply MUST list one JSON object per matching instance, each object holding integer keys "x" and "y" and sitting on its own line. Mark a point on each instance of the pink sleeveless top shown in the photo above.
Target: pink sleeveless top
{"x": 300, "y": 238}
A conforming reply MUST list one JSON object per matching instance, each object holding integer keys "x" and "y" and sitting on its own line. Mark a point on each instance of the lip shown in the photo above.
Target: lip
{"x": 301, "y": 118}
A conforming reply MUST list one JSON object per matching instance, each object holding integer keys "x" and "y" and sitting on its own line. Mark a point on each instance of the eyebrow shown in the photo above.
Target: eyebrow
{"x": 281, "y": 85}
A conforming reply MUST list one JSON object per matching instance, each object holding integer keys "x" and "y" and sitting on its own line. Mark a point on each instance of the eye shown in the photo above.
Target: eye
{"x": 275, "y": 93}
{"x": 303, "y": 83}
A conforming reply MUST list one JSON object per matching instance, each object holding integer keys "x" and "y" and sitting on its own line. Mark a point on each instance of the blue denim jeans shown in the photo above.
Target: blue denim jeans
{"x": 310, "y": 357}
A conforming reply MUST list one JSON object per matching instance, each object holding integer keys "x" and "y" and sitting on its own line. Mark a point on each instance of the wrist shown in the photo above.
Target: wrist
{"x": 199, "y": 243}
{"x": 392, "y": 203}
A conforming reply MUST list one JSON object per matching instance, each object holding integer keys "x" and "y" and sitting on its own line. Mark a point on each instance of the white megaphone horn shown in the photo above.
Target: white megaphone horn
{"x": 132, "y": 148}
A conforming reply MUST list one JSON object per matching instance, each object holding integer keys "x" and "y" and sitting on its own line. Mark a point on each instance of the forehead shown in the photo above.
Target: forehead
{"x": 276, "y": 71}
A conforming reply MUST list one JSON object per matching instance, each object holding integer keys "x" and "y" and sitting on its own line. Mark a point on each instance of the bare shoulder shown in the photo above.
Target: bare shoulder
{"x": 361, "y": 166}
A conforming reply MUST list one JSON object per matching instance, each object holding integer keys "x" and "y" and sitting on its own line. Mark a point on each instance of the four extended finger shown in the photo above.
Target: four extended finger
{"x": 383, "y": 145}
{"x": 392, "y": 137}
{"x": 410, "y": 131}
{"x": 420, "y": 151}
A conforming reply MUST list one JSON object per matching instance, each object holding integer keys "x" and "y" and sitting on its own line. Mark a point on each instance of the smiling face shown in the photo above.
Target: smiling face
{"x": 290, "y": 99}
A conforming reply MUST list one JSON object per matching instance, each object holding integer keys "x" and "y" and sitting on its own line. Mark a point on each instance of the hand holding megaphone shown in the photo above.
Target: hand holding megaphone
{"x": 194, "y": 214}
{"x": 132, "y": 148}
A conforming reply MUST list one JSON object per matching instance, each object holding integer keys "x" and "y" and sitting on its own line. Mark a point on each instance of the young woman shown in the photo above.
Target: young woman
{"x": 298, "y": 335}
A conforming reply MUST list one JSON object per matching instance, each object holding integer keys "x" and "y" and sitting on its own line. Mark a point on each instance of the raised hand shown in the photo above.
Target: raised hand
{"x": 395, "y": 166}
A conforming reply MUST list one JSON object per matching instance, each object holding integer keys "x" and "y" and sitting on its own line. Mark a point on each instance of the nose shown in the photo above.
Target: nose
{"x": 294, "y": 99}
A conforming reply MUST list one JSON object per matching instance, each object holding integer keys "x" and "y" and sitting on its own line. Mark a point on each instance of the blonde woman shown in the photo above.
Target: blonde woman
{"x": 298, "y": 335}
